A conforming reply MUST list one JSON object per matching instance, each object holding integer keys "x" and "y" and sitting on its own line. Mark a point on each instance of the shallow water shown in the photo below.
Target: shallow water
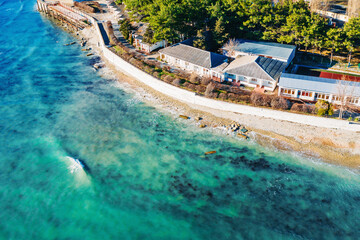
{"x": 148, "y": 176}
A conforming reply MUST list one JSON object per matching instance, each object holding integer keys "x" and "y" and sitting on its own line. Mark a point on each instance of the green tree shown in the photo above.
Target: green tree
{"x": 149, "y": 35}
{"x": 220, "y": 36}
{"x": 352, "y": 31}
{"x": 199, "y": 42}
{"x": 334, "y": 41}
{"x": 125, "y": 27}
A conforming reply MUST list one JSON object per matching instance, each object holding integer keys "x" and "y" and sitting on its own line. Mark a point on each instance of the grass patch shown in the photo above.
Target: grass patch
{"x": 118, "y": 49}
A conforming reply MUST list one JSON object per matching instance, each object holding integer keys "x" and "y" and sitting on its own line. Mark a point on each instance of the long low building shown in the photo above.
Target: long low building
{"x": 311, "y": 89}
{"x": 192, "y": 59}
{"x": 252, "y": 71}
{"x": 277, "y": 51}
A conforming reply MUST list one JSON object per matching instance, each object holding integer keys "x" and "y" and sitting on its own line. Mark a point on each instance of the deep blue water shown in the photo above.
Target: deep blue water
{"x": 148, "y": 177}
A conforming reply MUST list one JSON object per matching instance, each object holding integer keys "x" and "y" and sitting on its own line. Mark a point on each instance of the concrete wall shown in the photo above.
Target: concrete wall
{"x": 191, "y": 98}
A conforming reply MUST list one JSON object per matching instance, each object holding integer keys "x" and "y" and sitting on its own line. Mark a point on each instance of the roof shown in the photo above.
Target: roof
{"x": 257, "y": 67}
{"x": 317, "y": 84}
{"x": 275, "y": 50}
{"x": 194, "y": 55}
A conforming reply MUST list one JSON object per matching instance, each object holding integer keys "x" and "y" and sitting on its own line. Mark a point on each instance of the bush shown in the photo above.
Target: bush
{"x": 309, "y": 109}
{"x": 192, "y": 87}
{"x": 235, "y": 89}
{"x": 305, "y": 108}
{"x": 168, "y": 78}
{"x": 280, "y": 103}
{"x": 213, "y": 95}
{"x": 223, "y": 96}
{"x": 177, "y": 82}
{"x": 200, "y": 88}
{"x": 194, "y": 78}
{"x": 259, "y": 99}
{"x": 243, "y": 98}
{"x": 232, "y": 97}
{"x": 210, "y": 89}
{"x": 156, "y": 74}
{"x": 324, "y": 108}
{"x": 205, "y": 81}
{"x": 224, "y": 87}
{"x": 147, "y": 69}
{"x": 296, "y": 107}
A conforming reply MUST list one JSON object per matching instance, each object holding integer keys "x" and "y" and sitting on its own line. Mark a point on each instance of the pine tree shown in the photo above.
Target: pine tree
{"x": 199, "y": 42}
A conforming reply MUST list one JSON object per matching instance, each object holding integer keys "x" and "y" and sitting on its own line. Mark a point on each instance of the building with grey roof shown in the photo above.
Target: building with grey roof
{"x": 193, "y": 59}
{"x": 254, "y": 71}
{"x": 311, "y": 88}
{"x": 277, "y": 51}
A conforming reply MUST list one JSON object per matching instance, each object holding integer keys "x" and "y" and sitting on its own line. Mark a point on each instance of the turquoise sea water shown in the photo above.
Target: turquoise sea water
{"x": 148, "y": 177}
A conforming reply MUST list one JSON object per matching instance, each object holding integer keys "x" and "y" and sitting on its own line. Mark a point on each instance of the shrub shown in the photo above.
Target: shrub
{"x": 200, "y": 88}
{"x": 223, "y": 96}
{"x": 186, "y": 84}
{"x": 223, "y": 87}
{"x": 156, "y": 74}
{"x": 210, "y": 89}
{"x": 192, "y": 87}
{"x": 297, "y": 107}
{"x": 213, "y": 95}
{"x": 235, "y": 89}
{"x": 232, "y": 97}
{"x": 205, "y": 80}
{"x": 280, "y": 103}
{"x": 194, "y": 78}
{"x": 324, "y": 108}
{"x": 168, "y": 78}
{"x": 308, "y": 108}
{"x": 127, "y": 56}
{"x": 163, "y": 76}
{"x": 305, "y": 108}
{"x": 243, "y": 98}
{"x": 177, "y": 82}
{"x": 147, "y": 69}
{"x": 259, "y": 99}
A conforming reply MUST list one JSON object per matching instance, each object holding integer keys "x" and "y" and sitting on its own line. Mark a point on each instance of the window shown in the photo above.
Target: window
{"x": 232, "y": 76}
{"x": 186, "y": 65}
{"x": 336, "y": 98}
{"x": 254, "y": 80}
{"x": 306, "y": 94}
{"x": 288, "y": 91}
{"x": 268, "y": 83}
{"x": 241, "y": 78}
{"x": 196, "y": 68}
{"x": 323, "y": 96}
{"x": 177, "y": 61}
{"x": 354, "y": 100}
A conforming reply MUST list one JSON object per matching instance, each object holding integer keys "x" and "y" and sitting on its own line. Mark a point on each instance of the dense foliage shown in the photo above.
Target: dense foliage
{"x": 218, "y": 20}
